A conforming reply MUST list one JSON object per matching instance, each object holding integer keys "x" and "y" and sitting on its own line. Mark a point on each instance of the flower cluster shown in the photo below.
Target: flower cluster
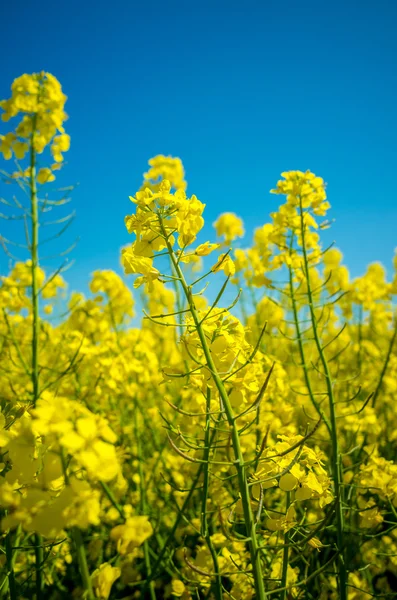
{"x": 39, "y": 100}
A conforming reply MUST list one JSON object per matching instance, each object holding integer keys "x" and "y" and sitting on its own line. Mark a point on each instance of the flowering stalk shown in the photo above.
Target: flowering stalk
{"x": 143, "y": 506}
{"x": 205, "y": 529}
{"x": 336, "y": 456}
{"x": 181, "y": 512}
{"x": 302, "y": 353}
{"x": 82, "y": 562}
{"x": 249, "y": 518}
{"x": 284, "y": 573}
{"x": 79, "y": 545}
{"x": 10, "y": 557}
{"x": 386, "y": 363}
{"x": 38, "y": 99}
{"x": 39, "y": 555}
{"x": 170, "y": 537}
{"x": 34, "y": 264}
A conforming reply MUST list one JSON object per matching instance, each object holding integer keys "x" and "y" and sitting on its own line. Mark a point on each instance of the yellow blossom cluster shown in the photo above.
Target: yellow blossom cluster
{"x": 39, "y": 101}
{"x": 165, "y": 167}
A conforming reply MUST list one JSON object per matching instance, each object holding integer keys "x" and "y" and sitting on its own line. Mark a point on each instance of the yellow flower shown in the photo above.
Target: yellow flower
{"x": 7, "y": 145}
{"x": 103, "y": 578}
{"x": 20, "y": 149}
{"x": 139, "y": 264}
{"x": 205, "y": 249}
{"x": 229, "y": 226}
{"x": 305, "y": 188}
{"x": 189, "y": 220}
{"x": 132, "y": 534}
{"x": 45, "y": 175}
{"x": 315, "y": 543}
{"x": 60, "y": 143}
{"x": 177, "y": 588}
{"x": 288, "y": 482}
{"x": 225, "y": 264}
{"x": 165, "y": 167}
{"x": 38, "y": 95}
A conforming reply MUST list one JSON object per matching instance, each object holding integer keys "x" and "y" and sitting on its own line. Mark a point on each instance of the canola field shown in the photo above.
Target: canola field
{"x": 179, "y": 448}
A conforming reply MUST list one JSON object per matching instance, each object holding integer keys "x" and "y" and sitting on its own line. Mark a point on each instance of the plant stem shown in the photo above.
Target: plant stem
{"x": 336, "y": 458}
{"x": 143, "y": 506}
{"x": 205, "y": 529}
{"x": 302, "y": 353}
{"x": 386, "y": 363}
{"x": 79, "y": 545}
{"x": 39, "y": 554}
{"x": 10, "y": 567}
{"x": 204, "y": 500}
{"x": 112, "y": 499}
{"x": 360, "y": 337}
{"x": 34, "y": 265}
{"x": 239, "y": 459}
{"x": 174, "y": 527}
{"x": 82, "y": 562}
{"x": 284, "y": 573}
{"x": 39, "y": 560}
{"x": 181, "y": 512}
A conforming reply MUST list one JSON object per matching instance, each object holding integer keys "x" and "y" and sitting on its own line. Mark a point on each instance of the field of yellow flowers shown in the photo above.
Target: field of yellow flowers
{"x": 214, "y": 451}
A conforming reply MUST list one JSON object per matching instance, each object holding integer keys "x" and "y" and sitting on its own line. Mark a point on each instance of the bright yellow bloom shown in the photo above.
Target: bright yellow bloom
{"x": 39, "y": 101}
{"x": 189, "y": 220}
{"x": 206, "y": 249}
{"x": 132, "y": 534}
{"x": 60, "y": 143}
{"x": 103, "y": 578}
{"x": 229, "y": 226}
{"x": 141, "y": 265}
{"x": 225, "y": 264}
{"x": 45, "y": 175}
{"x": 177, "y": 588}
{"x": 303, "y": 188}
{"x": 165, "y": 167}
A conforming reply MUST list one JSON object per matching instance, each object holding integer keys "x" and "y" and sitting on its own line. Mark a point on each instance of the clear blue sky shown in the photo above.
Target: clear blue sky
{"x": 241, "y": 91}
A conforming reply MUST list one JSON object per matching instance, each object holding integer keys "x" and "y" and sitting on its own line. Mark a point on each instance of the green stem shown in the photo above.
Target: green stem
{"x": 143, "y": 506}
{"x": 10, "y": 568}
{"x": 181, "y": 512}
{"x": 34, "y": 265}
{"x": 82, "y": 562}
{"x": 179, "y": 305}
{"x": 218, "y": 577}
{"x": 112, "y": 499}
{"x": 336, "y": 458}
{"x": 386, "y": 364}
{"x": 174, "y": 527}
{"x": 39, "y": 554}
{"x": 39, "y": 560}
{"x": 302, "y": 353}
{"x": 243, "y": 305}
{"x": 206, "y": 479}
{"x": 284, "y": 573}
{"x": 239, "y": 459}
{"x": 79, "y": 545}
{"x": 360, "y": 337}
{"x": 205, "y": 529}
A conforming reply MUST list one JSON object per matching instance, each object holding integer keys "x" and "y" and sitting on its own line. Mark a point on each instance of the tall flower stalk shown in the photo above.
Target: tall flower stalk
{"x": 159, "y": 215}
{"x": 239, "y": 461}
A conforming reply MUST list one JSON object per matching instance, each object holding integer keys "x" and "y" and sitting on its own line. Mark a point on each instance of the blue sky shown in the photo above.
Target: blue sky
{"x": 241, "y": 91}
